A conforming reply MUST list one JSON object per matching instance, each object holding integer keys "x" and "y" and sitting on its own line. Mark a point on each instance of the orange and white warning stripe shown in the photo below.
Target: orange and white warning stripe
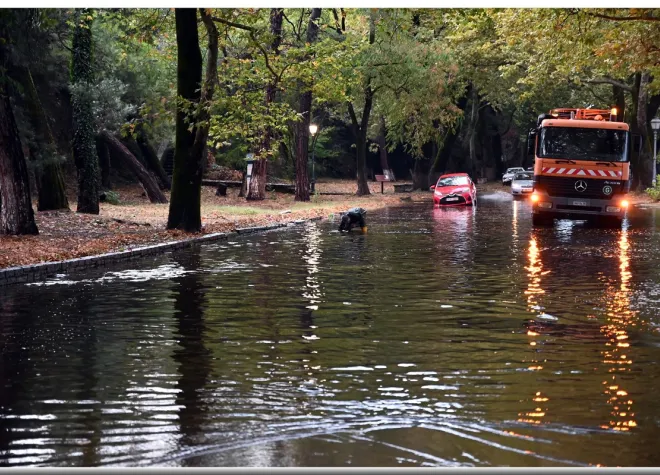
{"x": 582, "y": 172}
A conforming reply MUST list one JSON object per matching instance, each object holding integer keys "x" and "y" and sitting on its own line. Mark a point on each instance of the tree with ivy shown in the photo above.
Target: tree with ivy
{"x": 84, "y": 145}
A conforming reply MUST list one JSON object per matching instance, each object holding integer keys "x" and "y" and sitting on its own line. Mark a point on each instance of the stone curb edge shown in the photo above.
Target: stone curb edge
{"x": 30, "y": 273}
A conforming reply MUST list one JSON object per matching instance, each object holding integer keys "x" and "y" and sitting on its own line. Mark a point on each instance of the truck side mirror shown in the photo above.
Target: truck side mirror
{"x": 531, "y": 142}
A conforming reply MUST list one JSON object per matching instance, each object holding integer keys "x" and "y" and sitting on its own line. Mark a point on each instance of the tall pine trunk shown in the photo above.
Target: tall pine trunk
{"x": 185, "y": 201}
{"x": 43, "y": 149}
{"x": 302, "y": 126}
{"x": 16, "y": 214}
{"x": 259, "y": 176}
{"x": 84, "y": 146}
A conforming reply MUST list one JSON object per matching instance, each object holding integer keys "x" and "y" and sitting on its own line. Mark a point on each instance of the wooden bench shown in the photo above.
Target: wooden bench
{"x": 403, "y": 188}
{"x": 222, "y": 186}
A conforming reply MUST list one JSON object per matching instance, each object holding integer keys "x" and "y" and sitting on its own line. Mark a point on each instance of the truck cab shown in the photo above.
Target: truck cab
{"x": 581, "y": 166}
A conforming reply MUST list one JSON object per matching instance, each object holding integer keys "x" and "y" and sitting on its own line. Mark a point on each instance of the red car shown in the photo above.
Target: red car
{"x": 455, "y": 189}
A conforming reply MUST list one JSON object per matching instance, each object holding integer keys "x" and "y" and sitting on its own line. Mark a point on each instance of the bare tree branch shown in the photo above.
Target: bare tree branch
{"x": 295, "y": 32}
{"x": 351, "y": 112}
{"x": 610, "y": 81}
{"x": 233, "y": 24}
{"x": 624, "y": 18}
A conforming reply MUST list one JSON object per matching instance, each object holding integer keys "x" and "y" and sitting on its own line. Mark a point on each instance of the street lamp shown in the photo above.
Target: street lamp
{"x": 655, "y": 125}
{"x": 313, "y": 128}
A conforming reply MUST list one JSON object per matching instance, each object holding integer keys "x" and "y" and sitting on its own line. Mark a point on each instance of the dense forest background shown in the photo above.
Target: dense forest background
{"x": 92, "y": 97}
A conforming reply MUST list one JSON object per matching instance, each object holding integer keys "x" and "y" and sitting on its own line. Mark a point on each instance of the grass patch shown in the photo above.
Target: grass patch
{"x": 241, "y": 210}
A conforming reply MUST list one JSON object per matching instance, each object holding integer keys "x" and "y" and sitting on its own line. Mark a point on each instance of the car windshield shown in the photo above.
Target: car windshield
{"x": 452, "y": 181}
{"x": 523, "y": 176}
{"x": 514, "y": 170}
{"x": 583, "y": 144}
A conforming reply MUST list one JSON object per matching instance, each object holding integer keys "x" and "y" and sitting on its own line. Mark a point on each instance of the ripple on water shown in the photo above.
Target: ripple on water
{"x": 457, "y": 338}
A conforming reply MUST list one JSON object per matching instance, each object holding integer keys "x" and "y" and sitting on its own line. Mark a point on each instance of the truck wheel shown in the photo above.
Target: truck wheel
{"x": 539, "y": 219}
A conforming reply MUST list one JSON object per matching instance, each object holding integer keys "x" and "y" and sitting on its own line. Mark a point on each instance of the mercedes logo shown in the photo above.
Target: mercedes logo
{"x": 580, "y": 186}
{"x": 607, "y": 189}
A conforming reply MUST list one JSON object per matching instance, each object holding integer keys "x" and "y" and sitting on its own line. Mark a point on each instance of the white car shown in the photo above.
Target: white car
{"x": 510, "y": 173}
{"x": 522, "y": 184}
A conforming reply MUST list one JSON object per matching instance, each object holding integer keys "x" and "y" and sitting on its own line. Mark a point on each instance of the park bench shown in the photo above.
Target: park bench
{"x": 403, "y": 188}
{"x": 388, "y": 175}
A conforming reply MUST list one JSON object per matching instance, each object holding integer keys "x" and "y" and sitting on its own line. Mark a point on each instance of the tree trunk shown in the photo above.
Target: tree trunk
{"x": 146, "y": 179}
{"x": 257, "y": 189}
{"x": 43, "y": 149}
{"x": 167, "y": 161}
{"x": 104, "y": 162}
{"x": 618, "y": 94}
{"x": 132, "y": 146}
{"x": 185, "y": 205}
{"x": 84, "y": 147}
{"x": 302, "y": 126}
{"x": 243, "y": 191}
{"x": 382, "y": 145}
{"x": 636, "y": 161}
{"x": 646, "y": 165}
{"x": 441, "y": 159}
{"x": 151, "y": 159}
{"x": 360, "y": 127}
{"x": 16, "y": 214}
{"x": 421, "y": 174}
{"x": 472, "y": 141}
{"x": 362, "y": 183}
{"x": 259, "y": 177}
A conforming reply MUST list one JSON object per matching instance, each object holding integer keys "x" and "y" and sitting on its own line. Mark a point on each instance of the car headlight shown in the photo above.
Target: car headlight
{"x": 515, "y": 187}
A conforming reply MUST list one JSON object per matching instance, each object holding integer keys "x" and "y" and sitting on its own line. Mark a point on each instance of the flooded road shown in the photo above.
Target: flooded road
{"x": 441, "y": 338}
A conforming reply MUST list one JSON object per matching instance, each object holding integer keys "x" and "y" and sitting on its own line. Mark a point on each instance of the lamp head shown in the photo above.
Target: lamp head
{"x": 655, "y": 124}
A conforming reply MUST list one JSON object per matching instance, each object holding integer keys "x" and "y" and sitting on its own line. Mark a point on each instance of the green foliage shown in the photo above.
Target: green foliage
{"x": 136, "y": 57}
{"x": 654, "y": 192}
{"x": 112, "y": 197}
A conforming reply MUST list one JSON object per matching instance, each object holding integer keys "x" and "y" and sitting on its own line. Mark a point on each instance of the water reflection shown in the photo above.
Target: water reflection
{"x": 514, "y": 224}
{"x": 617, "y": 355}
{"x": 429, "y": 340}
{"x": 192, "y": 356}
{"x": 535, "y": 272}
{"x": 311, "y": 291}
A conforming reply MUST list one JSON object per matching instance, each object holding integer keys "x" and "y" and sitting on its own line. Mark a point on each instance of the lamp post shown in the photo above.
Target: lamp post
{"x": 655, "y": 125}
{"x": 313, "y": 128}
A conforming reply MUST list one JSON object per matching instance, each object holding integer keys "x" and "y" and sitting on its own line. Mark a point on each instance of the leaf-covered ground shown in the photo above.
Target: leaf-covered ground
{"x": 136, "y": 222}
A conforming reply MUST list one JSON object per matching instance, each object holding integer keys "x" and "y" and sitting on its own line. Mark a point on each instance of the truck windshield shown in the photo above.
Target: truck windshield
{"x": 583, "y": 144}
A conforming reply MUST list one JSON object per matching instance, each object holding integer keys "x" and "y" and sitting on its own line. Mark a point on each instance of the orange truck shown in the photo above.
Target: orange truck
{"x": 581, "y": 166}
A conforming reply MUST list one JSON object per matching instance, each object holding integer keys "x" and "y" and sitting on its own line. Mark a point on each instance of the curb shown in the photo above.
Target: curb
{"x": 33, "y": 272}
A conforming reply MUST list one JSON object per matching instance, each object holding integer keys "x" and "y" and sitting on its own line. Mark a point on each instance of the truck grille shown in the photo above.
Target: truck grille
{"x": 565, "y": 186}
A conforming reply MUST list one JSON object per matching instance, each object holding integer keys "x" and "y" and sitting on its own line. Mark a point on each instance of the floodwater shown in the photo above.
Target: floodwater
{"x": 459, "y": 337}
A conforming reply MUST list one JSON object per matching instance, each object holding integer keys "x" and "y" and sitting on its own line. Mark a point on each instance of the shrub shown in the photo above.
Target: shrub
{"x": 112, "y": 197}
{"x": 654, "y": 192}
